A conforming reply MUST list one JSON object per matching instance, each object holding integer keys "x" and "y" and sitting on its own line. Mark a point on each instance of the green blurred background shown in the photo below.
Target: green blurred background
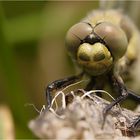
{"x": 33, "y": 54}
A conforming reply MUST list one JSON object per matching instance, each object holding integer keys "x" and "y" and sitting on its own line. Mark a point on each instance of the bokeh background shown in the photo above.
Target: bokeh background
{"x": 33, "y": 53}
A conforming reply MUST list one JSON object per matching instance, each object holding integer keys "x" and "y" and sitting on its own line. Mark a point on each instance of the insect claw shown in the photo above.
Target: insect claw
{"x": 104, "y": 117}
{"x": 105, "y": 112}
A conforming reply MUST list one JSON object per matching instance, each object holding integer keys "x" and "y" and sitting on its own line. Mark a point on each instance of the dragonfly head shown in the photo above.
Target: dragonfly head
{"x": 96, "y": 48}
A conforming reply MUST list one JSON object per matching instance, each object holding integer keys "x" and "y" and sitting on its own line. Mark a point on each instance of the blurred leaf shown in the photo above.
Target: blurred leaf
{"x": 14, "y": 91}
{"x": 23, "y": 28}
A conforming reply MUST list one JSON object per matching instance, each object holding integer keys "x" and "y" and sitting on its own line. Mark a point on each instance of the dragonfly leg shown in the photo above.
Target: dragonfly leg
{"x": 125, "y": 93}
{"x": 116, "y": 101}
{"x": 119, "y": 86}
{"x": 59, "y": 84}
{"x": 133, "y": 95}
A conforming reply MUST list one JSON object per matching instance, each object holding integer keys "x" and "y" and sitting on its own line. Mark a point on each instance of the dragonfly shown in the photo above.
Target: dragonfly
{"x": 105, "y": 46}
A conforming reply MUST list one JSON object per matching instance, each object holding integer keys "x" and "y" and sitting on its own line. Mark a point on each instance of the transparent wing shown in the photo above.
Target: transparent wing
{"x": 131, "y": 8}
{"x": 108, "y": 4}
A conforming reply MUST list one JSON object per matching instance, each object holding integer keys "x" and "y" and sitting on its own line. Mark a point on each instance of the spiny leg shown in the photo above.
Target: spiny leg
{"x": 116, "y": 101}
{"x": 58, "y": 84}
{"x": 118, "y": 84}
{"x": 133, "y": 95}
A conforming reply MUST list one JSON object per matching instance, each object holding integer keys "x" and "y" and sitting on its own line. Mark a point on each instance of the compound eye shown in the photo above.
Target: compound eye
{"x": 75, "y": 35}
{"x": 114, "y": 37}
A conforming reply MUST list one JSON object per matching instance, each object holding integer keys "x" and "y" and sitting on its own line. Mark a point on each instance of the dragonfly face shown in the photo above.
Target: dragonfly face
{"x": 105, "y": 42}
{"x": 96, "y": 47}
